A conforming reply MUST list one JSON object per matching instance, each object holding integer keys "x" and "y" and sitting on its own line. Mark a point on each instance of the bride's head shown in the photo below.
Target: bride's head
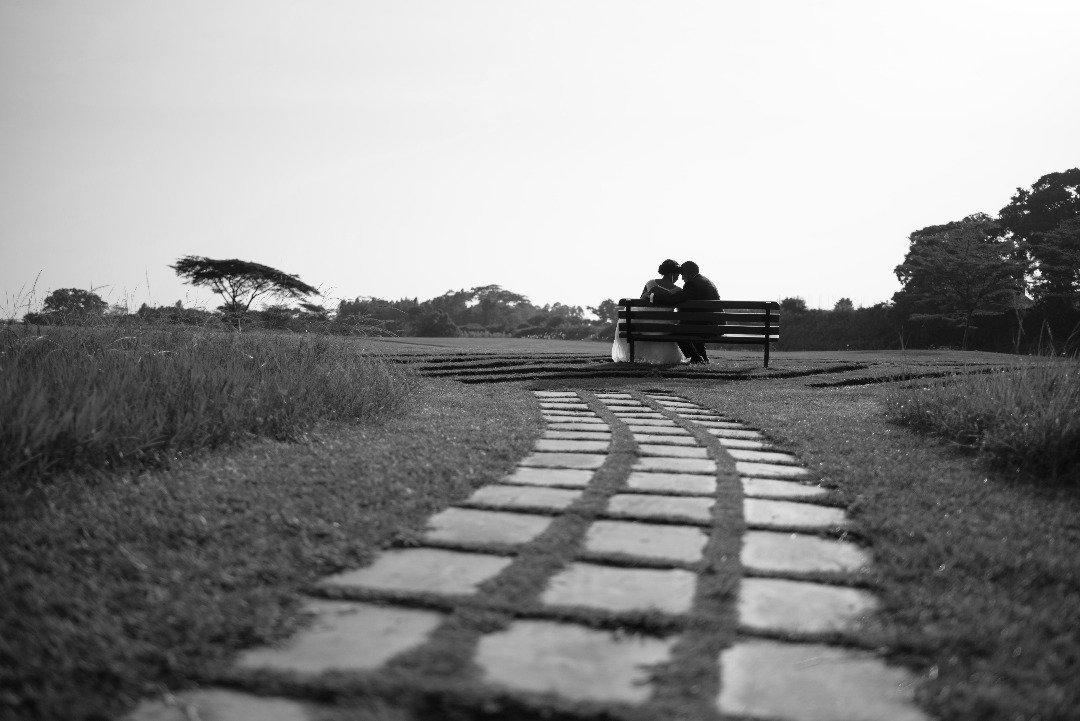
{"x": 668, "y": 267}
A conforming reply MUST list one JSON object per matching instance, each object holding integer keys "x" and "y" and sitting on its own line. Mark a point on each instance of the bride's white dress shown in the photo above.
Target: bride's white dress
{"x": 660, "y": 353}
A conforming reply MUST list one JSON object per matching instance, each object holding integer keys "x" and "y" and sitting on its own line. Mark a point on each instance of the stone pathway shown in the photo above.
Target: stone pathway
{"x": 599, "y": 578}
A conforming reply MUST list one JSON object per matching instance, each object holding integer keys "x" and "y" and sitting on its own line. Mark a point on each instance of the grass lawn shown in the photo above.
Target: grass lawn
{"x": 119, "y": 586}
{"x": 977, "y": 569}
{"x": 116, "y": 587}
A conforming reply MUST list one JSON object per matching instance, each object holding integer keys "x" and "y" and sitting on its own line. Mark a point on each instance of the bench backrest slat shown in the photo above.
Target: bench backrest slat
{"x": 707, "y": 304}
{"x": 715, "y": 321}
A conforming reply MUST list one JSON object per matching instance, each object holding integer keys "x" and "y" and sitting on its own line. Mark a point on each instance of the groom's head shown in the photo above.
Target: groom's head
{"x": 689, "y": 269}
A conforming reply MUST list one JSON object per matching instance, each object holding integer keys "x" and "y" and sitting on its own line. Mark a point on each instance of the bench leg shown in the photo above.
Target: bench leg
{"x": 631, "y": 344}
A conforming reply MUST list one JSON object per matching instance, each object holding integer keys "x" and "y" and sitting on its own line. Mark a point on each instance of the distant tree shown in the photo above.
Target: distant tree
{"x": 844, "y": 305}
{"x": 494, "y": 306}
{"x": 1034, "y": 217}
{"x": 607, "y": 311}
{"x": 793, "y": 305}
{"x": 74, "y": 301}
{"x": 241, "y": 282}
{"x": 315, "y": 311}
{"x": 433, "y": 323}
{"x": 1061, "y": 260}
{"x": 175, "y": 314}
{"x": 573, "y": 312}
{"x": 277, "y": 316}
{"x": 69, "y": 305}
{"x": 960, "y": 269}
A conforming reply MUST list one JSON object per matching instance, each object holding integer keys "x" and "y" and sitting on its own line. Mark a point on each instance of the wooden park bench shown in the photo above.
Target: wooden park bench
{"x": 744, "y": 322}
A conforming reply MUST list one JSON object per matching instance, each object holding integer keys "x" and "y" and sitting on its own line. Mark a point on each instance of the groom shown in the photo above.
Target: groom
{"x": 695, "y": 287}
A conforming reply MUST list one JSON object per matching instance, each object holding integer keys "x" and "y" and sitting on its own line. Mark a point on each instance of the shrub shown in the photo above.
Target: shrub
{"x": 1026, "y": 417}
{"x": 81, "y": 398}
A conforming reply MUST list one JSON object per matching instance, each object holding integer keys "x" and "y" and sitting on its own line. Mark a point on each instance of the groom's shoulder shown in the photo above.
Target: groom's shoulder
{"x": 708, "y": 287}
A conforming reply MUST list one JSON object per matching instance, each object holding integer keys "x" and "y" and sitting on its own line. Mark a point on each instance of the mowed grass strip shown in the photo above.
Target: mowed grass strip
{"x": 1026, "y": 417}
{"x": 119, "y": 586}
{"x": 81, "y": 398}
{"x": 976, "y": 569}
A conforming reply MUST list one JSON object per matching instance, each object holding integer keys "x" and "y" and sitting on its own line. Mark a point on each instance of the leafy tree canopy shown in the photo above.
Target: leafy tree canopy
{"x": 74, "y": 301}
{"x": 793, "y": 305}
{"x": 844, "y": 305}
{"x": 1035, "y": 216}
{"x": 959, "y": 269}
{"x": 607, "y": 311}
{"x": 241, "y": 282}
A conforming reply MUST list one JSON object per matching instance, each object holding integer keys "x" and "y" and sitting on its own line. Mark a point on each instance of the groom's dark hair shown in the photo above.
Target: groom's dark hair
{"x": 689, "y": 267}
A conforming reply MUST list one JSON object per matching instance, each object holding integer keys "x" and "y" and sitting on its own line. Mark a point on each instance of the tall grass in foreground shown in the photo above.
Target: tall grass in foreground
{"x": 104, "y": 397}
{"x": 1027, "y": 417}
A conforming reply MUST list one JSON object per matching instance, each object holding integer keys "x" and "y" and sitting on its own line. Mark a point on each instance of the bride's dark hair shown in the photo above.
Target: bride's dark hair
{"x": 668, "y": 266}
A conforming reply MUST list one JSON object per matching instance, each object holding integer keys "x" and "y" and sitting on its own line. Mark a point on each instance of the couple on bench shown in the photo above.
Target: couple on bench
{"x": 664, "y": 292}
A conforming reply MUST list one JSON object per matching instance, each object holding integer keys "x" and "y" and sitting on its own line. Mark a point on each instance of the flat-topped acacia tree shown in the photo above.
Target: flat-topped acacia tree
{"x": 241, "y": 282}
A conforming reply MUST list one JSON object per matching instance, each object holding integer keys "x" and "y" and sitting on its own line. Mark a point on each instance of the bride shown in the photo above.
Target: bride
{"x": 659, "y": 352}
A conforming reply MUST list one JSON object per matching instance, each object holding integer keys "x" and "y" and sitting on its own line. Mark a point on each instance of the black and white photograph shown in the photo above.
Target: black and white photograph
{"x": 539, "y": 360}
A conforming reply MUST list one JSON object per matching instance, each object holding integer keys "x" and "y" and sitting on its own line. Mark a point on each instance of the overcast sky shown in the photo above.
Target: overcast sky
{"x": 559, "y": 149}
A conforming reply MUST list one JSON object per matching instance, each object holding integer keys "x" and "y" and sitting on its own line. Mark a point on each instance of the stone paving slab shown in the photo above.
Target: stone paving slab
{"x": 768, "y": 551}
{"x": 776, "y": 604}
{"x": 561, "y": 421}
{"x": 609, "y": 396}
{"x": 571, "y": 661}
{"x": 555, "y": 394}
{"x": 676, "y": 404}
{"x": 666, "y": 439}
{"x": 631, "y": 505}
{"x": 672, "y": 430}
{"x": 687, "y": 483}
{"x": 735, "y": 433}
{"x": 622, "y": 589}
{"x": 597, "y": 426}
{"x": 577, "y": 435}
{"x": 590, "y": 461}
{"x": 568, "y": 413}
{"x": 646, "y": 540}
{"x": 572, "y": 477}
{"x": 481, "y": 528}
{"x": 564, "y": 405}
{"x": 729, "y": 425}
{"x": 516, "y": 496}
{"x": 675, "y": 465}
{"x": 219, "y": 704}
{"x": 666, "y": 397}
{"x": 743, "y": 443}
{"x": 769, "y": 470}
{"x": 763, "y": 456}
{"x": 667, "y": 450}
{"x": 783, "y": 514}
{"x": 787, "y": 489}
{"x": 813, "y": 682}
{"x": 346, "y": 636}
{"x": 587, "y": 419}
{"x": 652, "y": 422}
{"x": 552, "y": 445}
{"x": 639, "y": 414}
{"x": 621, "y": 402}
{"x": 430, "y": 570}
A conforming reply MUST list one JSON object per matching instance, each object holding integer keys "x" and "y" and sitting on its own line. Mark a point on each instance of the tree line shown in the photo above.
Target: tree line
{"x": 1009, "y": 282}
{"x": 480, "y": 311}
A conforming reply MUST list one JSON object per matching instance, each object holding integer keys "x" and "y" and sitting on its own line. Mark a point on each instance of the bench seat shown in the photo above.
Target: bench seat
{"x": 742, "y": 322}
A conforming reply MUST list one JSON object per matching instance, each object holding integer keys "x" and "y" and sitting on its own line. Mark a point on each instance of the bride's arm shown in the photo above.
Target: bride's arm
{"x": 662, "y": 295}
